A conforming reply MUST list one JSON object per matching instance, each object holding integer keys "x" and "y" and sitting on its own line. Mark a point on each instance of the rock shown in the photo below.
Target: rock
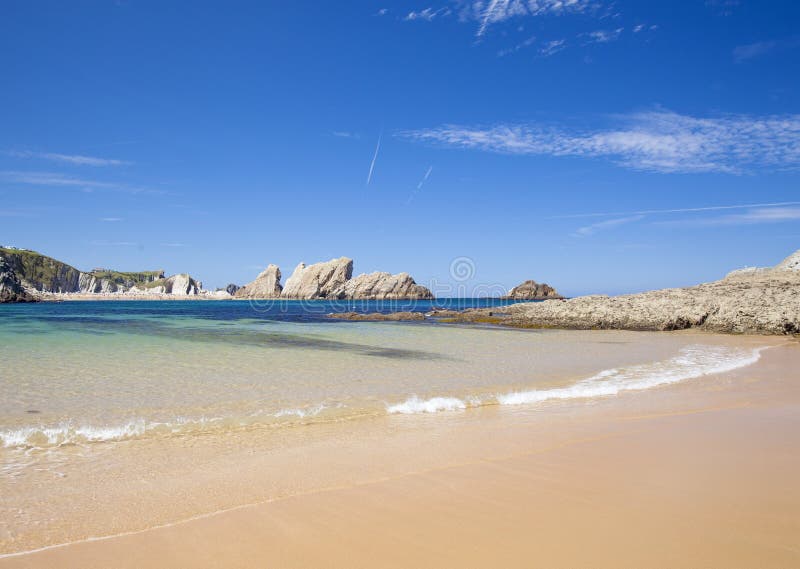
{"x": 318, "y": 280}
{"x": 181, "y": 284}
{"x": 266, "y": 285}
{"x": 381, "y": 286}
{"x": 11, "y": 289}
{"x": 378, "y": 317}
{"x": 531, "y": 290}
{"x": 232, "y": 288}
{"x": 790, "y": 263}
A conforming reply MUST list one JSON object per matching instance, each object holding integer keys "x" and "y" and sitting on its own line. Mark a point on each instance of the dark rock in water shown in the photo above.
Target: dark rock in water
{"x": 231, "y": 289}
{"x": 531, "y": 290}
{"x": 11, "y": 290}
{"x": 377, "y": 316}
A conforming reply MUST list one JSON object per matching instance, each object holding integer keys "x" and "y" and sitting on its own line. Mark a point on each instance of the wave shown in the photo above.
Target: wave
{"x": 414, "y": 405}
{"x": 692, "y": 362}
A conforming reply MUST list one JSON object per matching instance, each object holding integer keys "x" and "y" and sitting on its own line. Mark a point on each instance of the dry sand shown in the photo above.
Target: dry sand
{"x": 699, "y": 474}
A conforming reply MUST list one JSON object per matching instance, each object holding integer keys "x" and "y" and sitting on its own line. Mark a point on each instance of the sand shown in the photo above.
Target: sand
{"x": 698, "y": 474}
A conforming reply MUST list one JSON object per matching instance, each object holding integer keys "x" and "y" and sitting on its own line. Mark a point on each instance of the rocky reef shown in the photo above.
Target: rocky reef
{"x": 333, "y": 280}
{"x": 266, "y": 285}
{"x": 531, "y": 290}
{"x": 752, "y": 301}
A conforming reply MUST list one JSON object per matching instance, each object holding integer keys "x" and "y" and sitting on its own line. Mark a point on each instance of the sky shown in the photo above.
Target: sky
{"x": 599, "y": 146}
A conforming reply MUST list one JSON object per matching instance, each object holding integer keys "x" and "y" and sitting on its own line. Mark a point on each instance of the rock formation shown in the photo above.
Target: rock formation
{"x": 531, "y": 290}
{"x": 764, "y": 301}
{"x": 266, "y": 285}
{"x": 790, "y": 263}
{"x": 51, "y": 277}
{"x": 319, "y": 280}
{"x": 381, "y": 286}
{"x": 231, "y": 289}
{"x": 11, "y": 290}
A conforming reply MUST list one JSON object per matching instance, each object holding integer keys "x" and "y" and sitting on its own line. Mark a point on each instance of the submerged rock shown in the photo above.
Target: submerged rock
{"x": 531, "y": 290}
{"x": 378, "y": 317}
{"x": 266, "y": 285}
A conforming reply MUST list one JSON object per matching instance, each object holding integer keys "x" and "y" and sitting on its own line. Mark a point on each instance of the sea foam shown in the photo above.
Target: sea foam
{"x": 692, "y": 362}
{"x": 416, "y": 405}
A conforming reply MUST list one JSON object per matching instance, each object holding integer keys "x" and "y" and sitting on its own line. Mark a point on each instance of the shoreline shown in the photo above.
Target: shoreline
{"x": 471, "y": 438}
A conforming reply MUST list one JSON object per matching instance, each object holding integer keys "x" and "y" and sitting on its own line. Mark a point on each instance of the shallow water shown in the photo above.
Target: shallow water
{"x": 101, "y": 399}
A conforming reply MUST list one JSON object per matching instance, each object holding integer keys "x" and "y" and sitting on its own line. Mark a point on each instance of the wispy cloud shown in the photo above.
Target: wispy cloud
{"x": 374, "y": 158}
{"x": 655, "y": 141}
{"x": 604, "y": 36}
{"x": 110, "y": 219}
{"x": 751, "y": 217}
{"x": 744, "y": 53}
{"x": 491, "y": 12}
{"x": 345, "y": 134}
{"x": 75, "y": 159}
{"x": 427, "y": 14}
{"x": 677, "y": 210}
{"x": 588, "y": 230}
{"x": 172, "y": 244}
{"x": 420, "y": 184}
{"x": 521, "y": 45}
{"x": 50, "y": 179}
{"x": 552, "y": 47}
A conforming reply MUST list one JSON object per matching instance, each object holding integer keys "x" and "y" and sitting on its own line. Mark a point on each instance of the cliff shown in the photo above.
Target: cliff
{"x": 44, "y": 276}
{"x": 531, "y": 290}
{"x": 11, "y": 290}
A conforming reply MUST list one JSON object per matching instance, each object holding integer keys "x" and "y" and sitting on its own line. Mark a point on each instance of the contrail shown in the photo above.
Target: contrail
{"x": 425, "y": 177}
{"x": 421, "y": 183}
{"x": 681, "y": 210}
{"x": 374, "y": 158}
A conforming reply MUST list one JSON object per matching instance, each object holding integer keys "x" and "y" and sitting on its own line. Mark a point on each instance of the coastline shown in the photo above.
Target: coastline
{"x": 409, "y": 477}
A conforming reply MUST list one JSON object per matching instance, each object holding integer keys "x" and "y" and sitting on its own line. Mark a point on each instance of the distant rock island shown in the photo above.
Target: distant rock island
{"x": 531, "y": 290}
{"x": 333, "y": 280}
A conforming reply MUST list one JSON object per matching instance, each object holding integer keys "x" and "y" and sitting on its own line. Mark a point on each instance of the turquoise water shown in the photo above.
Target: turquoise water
{"x": 88, "y": 372}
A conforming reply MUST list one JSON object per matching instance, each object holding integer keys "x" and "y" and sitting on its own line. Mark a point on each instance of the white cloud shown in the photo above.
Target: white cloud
{"x": 521, "y": 45}
{"x": 754, "y": 216}
{"x": 604, "y": 36}
{"x": 552, "y": 47}
{"x": 345, "y": 134}
{"x": 50, "y": 179}
{"x": 110, "y": 219}
{"x": 656, "y": 141}
{"x": 427, "y": 14}
{"x": 607, "y": 224}
{"x": 677, "y": 210}
{"x": 749, "y": 51}
{"x": 491, "y": 12}
{"x": 75, "y": 159}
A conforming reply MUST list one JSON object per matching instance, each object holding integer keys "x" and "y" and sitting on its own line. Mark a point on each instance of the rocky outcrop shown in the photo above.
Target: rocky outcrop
{"x": 765, "y": 301}
{"x": 11, "y": 290}
{"x": 179, "y": 285}
{"x": 790, "y": 263}
{"x": 531, "y": 290}
{"x": 381, "y": 286}
{"x": 319, "y": 280}
{"x": 266, "y": 285}
{"x": 231, "y": 289}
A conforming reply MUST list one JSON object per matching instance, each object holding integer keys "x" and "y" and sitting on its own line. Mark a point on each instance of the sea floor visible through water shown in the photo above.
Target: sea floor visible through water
{"x": 117, "y": 417}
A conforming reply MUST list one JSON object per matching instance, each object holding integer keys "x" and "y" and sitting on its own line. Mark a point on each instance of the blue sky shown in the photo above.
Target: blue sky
{"x": 597, "y": 146}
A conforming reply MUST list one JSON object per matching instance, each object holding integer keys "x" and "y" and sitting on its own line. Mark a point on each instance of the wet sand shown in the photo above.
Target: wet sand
{"x": 698, "y": 474}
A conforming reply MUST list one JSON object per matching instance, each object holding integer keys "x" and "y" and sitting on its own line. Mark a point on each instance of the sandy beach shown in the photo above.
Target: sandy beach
{"x": 696, "y": 474}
